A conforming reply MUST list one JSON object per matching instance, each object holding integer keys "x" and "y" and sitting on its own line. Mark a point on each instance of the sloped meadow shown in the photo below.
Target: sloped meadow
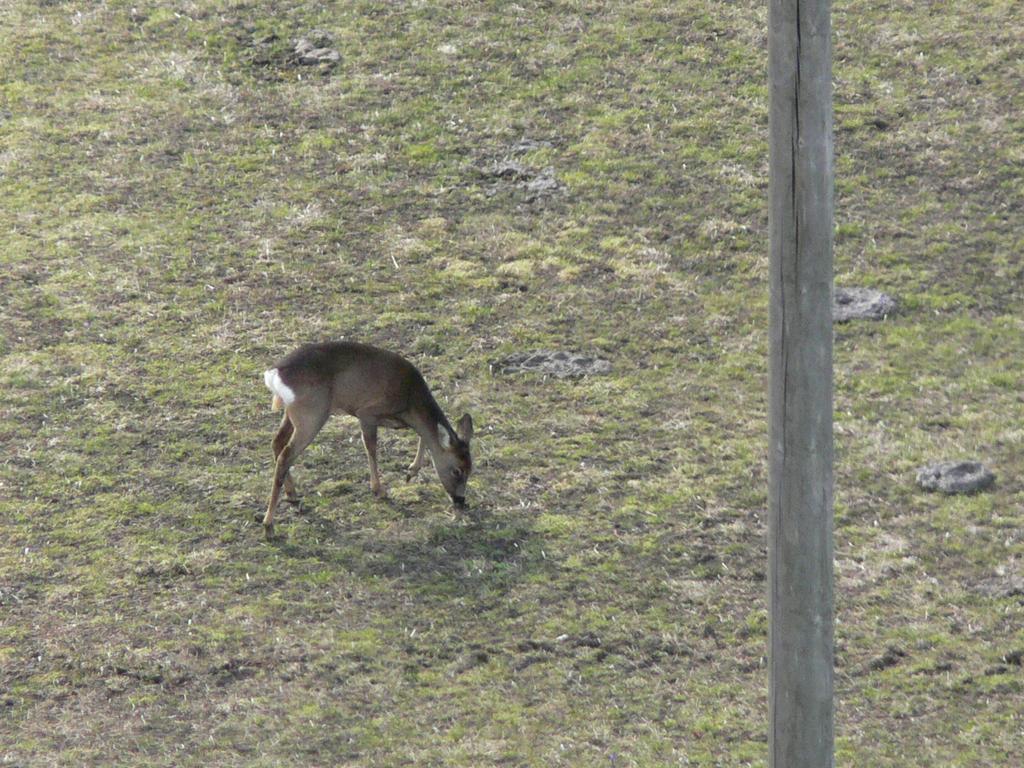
{"x": 192, "y": 188}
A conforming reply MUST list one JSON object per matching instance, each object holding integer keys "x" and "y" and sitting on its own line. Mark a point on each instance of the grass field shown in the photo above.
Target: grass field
{"x": 182, "y": 203}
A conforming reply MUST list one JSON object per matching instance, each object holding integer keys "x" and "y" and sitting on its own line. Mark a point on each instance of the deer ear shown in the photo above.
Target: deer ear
{"x": 443, "y": 437}
{"x": 464, "y": 429}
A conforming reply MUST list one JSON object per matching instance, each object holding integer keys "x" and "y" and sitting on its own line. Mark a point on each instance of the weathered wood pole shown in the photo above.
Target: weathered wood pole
{"x": 800, "y": 656}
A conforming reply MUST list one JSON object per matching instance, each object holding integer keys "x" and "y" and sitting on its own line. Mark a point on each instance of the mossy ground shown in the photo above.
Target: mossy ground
{"x": 182, "y": 204}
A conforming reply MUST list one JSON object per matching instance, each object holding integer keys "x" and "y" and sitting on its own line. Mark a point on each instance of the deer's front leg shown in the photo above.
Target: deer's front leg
{"x": 370, "y": 443}
{"x": 418, "y": 462}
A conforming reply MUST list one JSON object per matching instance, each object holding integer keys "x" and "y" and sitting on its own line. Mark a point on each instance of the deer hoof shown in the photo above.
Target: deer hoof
{"x": 268, "y": 531}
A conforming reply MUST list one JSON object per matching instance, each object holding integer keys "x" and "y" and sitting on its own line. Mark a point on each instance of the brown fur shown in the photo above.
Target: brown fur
{"x": 378, "y": 387}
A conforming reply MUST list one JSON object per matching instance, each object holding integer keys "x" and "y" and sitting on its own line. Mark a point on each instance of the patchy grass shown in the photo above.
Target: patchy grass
{"x": 183, "y": 203}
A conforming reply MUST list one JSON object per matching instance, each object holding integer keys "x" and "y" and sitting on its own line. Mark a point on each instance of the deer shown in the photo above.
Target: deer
{"x": 378, "y": 387}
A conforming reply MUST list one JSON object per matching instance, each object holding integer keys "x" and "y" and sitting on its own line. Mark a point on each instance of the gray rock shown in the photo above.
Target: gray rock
{"x": 1003, "y": 586}
{"x": 559, "y": 364}
{"x": 507, "y": 170}
{"x": 318, "y": 38}
{"x": 315, "y": 48}
{"x": 525, "y": 145}
{"x": 320, "y": 56}
{"x": 535, "y": 183}
{"x": 543, "y": 184}
{"x": 955, "y": 477}
{"x": 861, "y": 304}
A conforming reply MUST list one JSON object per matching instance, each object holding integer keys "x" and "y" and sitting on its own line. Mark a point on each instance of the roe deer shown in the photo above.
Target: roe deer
{"x": 379, "y": 388}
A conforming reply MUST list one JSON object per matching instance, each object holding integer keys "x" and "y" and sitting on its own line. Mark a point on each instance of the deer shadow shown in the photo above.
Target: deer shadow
{"x": 478, "y": 549}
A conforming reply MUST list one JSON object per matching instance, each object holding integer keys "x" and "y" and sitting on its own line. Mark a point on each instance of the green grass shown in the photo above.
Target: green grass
{"x": 182, "y": 205}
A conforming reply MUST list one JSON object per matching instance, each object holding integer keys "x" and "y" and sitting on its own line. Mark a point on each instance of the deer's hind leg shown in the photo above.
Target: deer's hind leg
{"x": 281, "y": 439}
{"x": 306, "y": 415}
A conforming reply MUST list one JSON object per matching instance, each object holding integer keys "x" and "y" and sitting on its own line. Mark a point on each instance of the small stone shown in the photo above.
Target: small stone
{"x": 861, "y": 304}
{"x": 955, "y": 477}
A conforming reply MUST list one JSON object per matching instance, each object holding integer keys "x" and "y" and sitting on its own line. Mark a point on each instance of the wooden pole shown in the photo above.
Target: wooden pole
{"x": 800, "y": 657}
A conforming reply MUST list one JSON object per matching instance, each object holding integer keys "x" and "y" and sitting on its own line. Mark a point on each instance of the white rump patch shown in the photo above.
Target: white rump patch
{"x": 276, "y": 385}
